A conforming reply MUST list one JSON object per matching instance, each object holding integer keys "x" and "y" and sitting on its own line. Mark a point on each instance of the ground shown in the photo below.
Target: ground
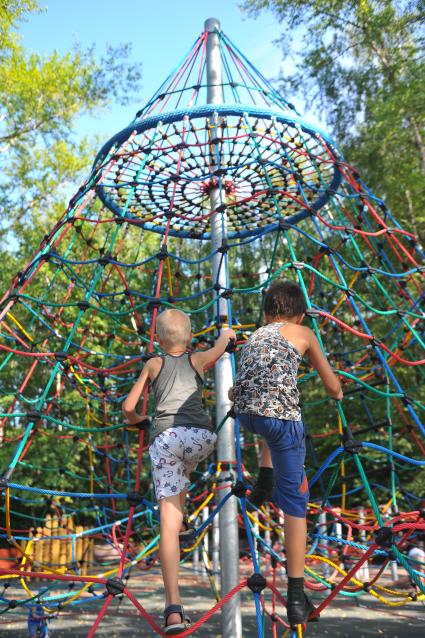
{"x": 343, "y": 619}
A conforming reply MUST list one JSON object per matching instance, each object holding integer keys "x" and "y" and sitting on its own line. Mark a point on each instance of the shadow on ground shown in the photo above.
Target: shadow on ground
{"x": 343, "y": 619}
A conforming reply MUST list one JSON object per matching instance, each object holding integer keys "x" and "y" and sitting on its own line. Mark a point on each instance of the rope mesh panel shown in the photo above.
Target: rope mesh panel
{"x": 78, "y": 322}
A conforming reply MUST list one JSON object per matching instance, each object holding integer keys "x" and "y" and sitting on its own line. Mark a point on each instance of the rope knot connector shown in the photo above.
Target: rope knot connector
{"x": 239, "y": 489}
{"x": 256, "y": 582}
{"x": 352, "y": 446}
{"x": 134, "y": 499}
{"x": 384, "y": 537}
{"x": 114, "y": 586}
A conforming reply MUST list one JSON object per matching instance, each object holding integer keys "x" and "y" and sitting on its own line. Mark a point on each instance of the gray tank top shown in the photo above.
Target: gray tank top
{"x": 177, "y": 396}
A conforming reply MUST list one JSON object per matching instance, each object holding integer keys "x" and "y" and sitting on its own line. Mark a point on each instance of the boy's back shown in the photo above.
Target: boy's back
{"x": 266, "y": 382}
{"x": 177, "y": 395}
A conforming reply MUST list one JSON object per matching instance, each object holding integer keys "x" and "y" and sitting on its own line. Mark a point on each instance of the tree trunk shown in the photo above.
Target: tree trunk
{"x": 418, "y": 141}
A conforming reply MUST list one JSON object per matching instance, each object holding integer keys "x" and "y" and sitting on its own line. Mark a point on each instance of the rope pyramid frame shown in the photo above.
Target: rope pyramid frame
{"x": 79, "y": 320}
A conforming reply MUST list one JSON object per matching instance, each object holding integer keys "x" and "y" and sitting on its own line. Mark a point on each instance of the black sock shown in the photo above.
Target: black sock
{"x": 295, "y": 587}
{"x": 265, "y": 477}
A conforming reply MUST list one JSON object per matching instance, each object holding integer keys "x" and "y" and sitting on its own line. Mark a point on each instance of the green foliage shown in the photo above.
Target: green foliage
{"x": 11, "y": 12}
{"x": 42, "y": 161}
{"x": 42, "y": 97}
{"x": 361, "y": 65}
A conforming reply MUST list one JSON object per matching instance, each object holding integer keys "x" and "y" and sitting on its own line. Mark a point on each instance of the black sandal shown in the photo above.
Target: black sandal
{"x": 299, "y": 611}
{"x": 187, "y": 533}
{"x": 176, "y": 628}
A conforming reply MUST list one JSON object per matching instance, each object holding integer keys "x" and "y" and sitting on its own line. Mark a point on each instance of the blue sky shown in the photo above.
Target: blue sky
{"x": 160, "y": 31}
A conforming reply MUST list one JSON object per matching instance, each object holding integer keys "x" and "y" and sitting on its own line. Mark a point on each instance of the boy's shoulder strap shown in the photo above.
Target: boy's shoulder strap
{"x": 275, "y": 325}
{"x": 189, "y": 359}
{"x": 153, "y": 355}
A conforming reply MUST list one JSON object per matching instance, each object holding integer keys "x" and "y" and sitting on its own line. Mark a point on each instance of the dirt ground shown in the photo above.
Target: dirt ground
{"x": 345, "y": 618}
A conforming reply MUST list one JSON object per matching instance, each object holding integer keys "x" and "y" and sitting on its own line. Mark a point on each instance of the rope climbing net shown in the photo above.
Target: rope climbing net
{"x": 78, "y": 322}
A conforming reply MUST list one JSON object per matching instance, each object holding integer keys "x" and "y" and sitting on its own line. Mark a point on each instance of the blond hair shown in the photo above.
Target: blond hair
{"x": 173, "y": 327}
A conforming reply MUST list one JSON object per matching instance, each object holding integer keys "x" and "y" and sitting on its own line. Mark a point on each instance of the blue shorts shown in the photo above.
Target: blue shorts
{"x": 286, "y": 440}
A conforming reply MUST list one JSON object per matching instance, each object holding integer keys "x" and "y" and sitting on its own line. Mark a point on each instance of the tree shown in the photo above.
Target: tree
{"x": 42, "y": 163}
{"x": 41, "y": 98}
{"x": 361, "y": 64}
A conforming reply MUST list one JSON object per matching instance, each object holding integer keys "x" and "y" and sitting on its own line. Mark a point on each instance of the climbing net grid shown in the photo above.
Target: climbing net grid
{"x": 78, "y": 322}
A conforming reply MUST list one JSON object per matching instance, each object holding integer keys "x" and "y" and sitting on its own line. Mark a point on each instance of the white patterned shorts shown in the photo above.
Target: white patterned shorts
{"x": 175, "y": 454}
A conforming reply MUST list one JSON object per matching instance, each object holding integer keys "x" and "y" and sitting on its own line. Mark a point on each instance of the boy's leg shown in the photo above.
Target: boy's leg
{"x": 171, "y": 518}
{"x": 263, "y": 488}
{"x": 288, "y": 454}
{"x": 182, "y": 496}
{"x": 298, "y": 607}
{"x": 266, "y": 456}
{"x": 168, "y": 473}
{"x": 171, "y": 507}
{"x": 295, "y": 544}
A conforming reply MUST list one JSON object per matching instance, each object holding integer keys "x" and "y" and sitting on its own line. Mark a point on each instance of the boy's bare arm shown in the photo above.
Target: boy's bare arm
{"x": 130, "y": 403}
{"x": 203, "y": 359}
{"x": 320, "y": 362}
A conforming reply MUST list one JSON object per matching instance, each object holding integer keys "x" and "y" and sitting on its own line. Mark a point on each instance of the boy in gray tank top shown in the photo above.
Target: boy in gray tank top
{"x": 181, "y": 437}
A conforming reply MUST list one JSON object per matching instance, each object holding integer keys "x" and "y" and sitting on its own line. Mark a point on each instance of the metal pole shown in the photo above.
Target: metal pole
{"x": 394, "y": 570}
{"x": 215, "y": 553}
{"x": 231, "y": 621}
{"x": 323, "y": 529}
{"x": 364, "y": 570}
{"x": 195, "y": 561}
{"x": 338, "y": 531}
{"x": 206, "y": 544}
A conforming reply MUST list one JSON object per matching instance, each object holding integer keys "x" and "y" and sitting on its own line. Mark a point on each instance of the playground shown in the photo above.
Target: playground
{"x": 216, "y": 189}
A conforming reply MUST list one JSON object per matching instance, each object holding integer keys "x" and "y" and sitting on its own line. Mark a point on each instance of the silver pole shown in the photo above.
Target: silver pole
{"x": 394, "y": 570}
{"x": 195, "y": 561}
{"x": 231, "y": 621}
{"x": 338, "y": 531}
{"x": 215, "y": 555}
{"x": 364, "y": 570}
{"x": 323, "y": 529}
{"x": 206, "y": 543}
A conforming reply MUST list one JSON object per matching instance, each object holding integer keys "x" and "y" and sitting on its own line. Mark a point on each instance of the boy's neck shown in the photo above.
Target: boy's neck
{"x": 175, "y": 350}
{"x": 282, "y": 320}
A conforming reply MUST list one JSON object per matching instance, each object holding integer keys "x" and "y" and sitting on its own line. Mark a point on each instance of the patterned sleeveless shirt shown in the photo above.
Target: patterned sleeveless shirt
{"x": 266, "y": 383}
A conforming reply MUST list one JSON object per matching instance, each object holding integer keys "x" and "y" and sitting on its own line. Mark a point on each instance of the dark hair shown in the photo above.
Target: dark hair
{"x": 284, "y": 299}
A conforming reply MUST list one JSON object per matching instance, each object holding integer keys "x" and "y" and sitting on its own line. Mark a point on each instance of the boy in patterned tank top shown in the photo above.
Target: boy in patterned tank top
{"x": 181, "y": 436}
{"x": 266, "y": 400}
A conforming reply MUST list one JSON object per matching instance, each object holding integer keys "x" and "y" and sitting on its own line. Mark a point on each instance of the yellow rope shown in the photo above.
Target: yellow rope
{"x": 169, "y": 277}
{"x": 357, "y": 582}
{"x": 193, "y": 516}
